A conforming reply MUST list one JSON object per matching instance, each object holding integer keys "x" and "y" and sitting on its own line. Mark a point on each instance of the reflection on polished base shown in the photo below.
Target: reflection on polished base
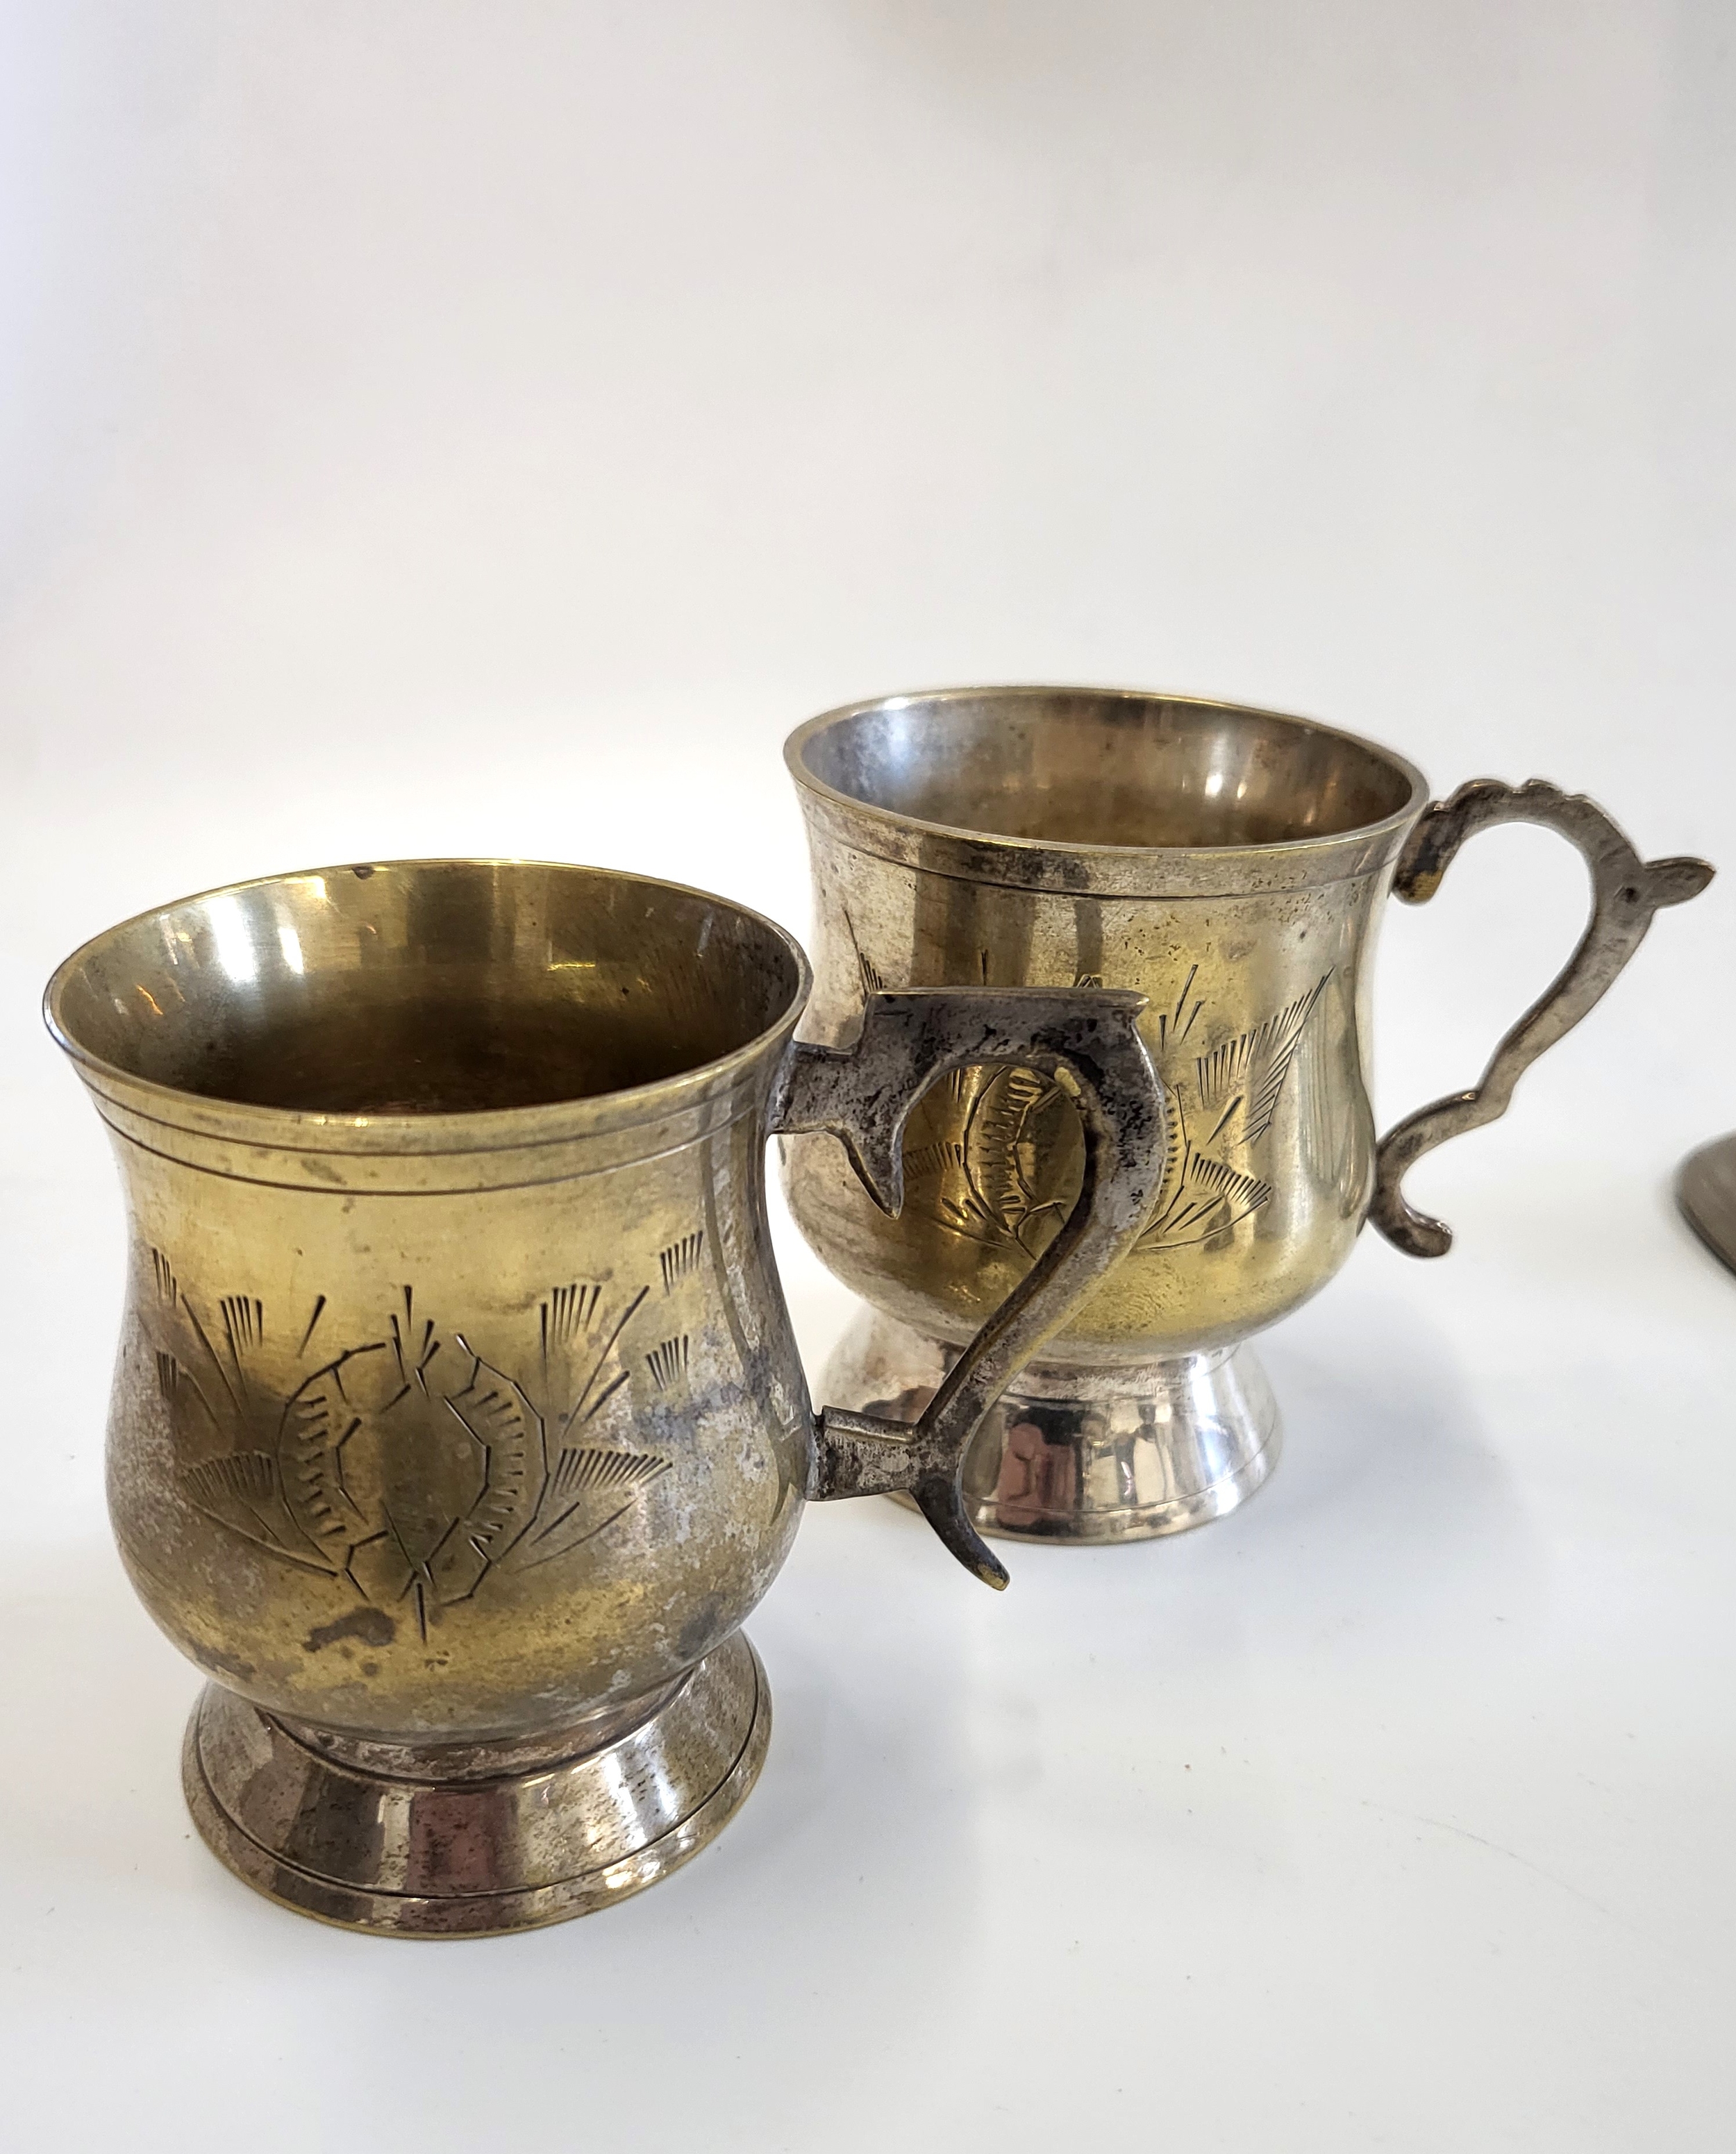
{"x": 477, "y": 1840}
{"x": 1081, "y": 1455}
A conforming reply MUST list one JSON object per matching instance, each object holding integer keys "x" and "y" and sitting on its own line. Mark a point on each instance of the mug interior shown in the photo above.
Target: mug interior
{"x": 424, "y": 987}
{"x": 1071, "y": 767}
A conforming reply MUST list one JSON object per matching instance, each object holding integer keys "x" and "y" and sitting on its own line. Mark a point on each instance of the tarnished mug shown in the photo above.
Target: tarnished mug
{"x": 1232, "y": 865}
{"x": 458, "y": 1423}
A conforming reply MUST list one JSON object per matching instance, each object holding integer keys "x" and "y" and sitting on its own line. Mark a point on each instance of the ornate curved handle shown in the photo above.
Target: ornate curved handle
{"x": 1087, "y": 1039}
{"x": 1626, "y": 892}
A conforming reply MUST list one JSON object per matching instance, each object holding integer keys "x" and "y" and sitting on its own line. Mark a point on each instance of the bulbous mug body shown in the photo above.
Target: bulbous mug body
{"x": 369, "y": 1409}
{"x": 1231, "y": 864}
{"x": 458, "y": 1424}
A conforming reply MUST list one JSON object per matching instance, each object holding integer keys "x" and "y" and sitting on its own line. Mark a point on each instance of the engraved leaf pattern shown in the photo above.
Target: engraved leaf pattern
{"x": 993, "y": 1170}
{"x": 1249, "y": 1070}
{"x": 1235, "y": 1089}
{"x": 409, "y": 1465}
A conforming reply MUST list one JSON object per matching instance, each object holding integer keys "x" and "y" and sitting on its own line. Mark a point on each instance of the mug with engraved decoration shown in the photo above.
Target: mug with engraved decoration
{"x": 1232, "y": 865}
{"x": 458, "y": 1424}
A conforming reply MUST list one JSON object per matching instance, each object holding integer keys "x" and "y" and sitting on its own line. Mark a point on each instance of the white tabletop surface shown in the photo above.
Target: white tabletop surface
{"x": 476, "y": 429}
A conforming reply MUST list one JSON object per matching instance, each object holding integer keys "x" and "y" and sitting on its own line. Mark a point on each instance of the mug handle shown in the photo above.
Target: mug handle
{"x": 1088, "y": 1041}
{"x": 1626, "y": 892}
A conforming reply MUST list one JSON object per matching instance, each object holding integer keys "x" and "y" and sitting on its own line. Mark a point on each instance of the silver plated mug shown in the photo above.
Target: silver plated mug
{"x": 1232, "y": 865}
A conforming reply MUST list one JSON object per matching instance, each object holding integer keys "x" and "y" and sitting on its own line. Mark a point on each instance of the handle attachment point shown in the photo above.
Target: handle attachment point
{"x": 863, "y": 1455}
{"x": 1087, "y": 1039}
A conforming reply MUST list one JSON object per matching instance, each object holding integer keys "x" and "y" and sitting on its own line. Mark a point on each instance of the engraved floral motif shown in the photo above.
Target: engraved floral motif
{"x": 407, "y": 1464}
{"x": 1230, "y": 1093}
{"x": 996, "y": 1156}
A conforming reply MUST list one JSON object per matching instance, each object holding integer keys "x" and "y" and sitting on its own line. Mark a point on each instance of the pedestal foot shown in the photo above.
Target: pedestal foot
{"x": 476, "y": 1839}
{"x": 1084, "y": 1455}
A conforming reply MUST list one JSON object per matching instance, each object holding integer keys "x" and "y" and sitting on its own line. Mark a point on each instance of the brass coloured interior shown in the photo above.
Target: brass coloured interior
{"x": 426, "y": 987}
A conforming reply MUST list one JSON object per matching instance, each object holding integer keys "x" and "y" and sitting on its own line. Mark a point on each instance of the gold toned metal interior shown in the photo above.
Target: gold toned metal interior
{"x": 1089, "y": 768}
{"x": 426, "y": 987}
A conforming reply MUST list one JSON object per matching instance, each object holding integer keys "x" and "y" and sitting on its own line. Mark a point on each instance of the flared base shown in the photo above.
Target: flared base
{"x": 477, "y": 1840}
{"x": 1084, "y": 1455}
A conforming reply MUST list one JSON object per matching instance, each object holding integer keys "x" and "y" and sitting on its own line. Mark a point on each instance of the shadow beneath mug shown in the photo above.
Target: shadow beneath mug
{"x": 837, "y": 1911}
{"x": 1390, "y": 1498}
{"x": 1390, "y": 1521}
{"x": 866, "y": 1809}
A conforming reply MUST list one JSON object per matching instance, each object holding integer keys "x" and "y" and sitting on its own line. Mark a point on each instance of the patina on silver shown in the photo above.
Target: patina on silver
{"x": 457, "y": 1425}
{"x": 1232, "y": 865}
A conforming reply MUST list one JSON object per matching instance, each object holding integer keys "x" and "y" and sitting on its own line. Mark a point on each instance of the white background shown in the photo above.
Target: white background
{"x": 488, "y": 428}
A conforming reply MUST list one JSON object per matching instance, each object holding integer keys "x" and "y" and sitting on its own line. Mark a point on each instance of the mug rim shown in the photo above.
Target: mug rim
{"x": 922, "y": 826}
{"x": 447, "y": 1129}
